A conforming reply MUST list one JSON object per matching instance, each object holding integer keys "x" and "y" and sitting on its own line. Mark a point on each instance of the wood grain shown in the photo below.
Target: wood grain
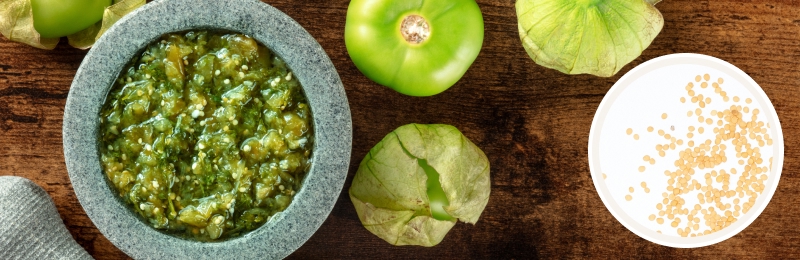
{"x": 532, "y": 122}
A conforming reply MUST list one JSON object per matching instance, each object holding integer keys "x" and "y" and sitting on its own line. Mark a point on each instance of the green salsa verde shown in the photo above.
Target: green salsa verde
{"x": 206, "y": 135}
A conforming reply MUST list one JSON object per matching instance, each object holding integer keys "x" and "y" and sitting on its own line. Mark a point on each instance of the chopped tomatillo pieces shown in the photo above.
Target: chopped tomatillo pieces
{"x": 206, "y": 135}
{"x": 418, "y": 48}
{"x": 596, "y": 37}
{"x": 416, "y": 182}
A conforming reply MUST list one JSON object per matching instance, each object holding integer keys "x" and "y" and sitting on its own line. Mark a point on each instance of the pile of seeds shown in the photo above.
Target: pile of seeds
{"x": 722, "y": 194}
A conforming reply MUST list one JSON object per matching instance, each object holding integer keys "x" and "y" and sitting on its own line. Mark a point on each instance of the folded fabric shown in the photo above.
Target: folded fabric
{"x": 32, "y": 227}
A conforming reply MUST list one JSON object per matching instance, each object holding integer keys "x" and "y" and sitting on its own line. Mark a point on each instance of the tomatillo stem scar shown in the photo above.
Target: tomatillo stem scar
{"x": 415, "y": 29}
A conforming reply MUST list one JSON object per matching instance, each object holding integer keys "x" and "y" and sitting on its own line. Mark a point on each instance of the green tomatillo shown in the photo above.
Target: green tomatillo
{"x": 416, "y": 47}
{"x": 41, "y": 23}
{"x": 418, "y": 182}
{"x": 57, "y": 18}
{"x": 597, "y": 37}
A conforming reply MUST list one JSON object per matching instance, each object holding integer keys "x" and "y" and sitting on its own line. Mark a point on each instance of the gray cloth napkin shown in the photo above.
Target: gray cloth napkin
{"x": 30, "y": 227}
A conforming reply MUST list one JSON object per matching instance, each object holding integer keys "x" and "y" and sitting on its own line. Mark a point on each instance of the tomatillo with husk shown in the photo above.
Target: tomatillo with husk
{"x": 418, "y": 182}
{"x": 416, "y": 47}
{"x": 58, "y": 18}
{"x": 597, "y": 37}
{"x": 41, "y": 23}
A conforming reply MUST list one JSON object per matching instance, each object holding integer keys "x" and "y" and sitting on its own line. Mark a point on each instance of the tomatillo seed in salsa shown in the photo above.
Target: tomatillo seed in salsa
{"x": 206, "y": 135}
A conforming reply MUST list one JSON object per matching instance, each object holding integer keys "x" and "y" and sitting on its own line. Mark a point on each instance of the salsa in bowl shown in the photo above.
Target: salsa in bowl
{"x": 302, "y": 138}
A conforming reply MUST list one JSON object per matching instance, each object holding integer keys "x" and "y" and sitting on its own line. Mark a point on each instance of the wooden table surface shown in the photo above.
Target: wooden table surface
{"x": 532, "y": 122}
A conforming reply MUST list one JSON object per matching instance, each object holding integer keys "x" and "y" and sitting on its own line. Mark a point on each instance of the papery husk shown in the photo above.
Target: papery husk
{"x": 596, "y": 37}
{"x": 16, "y": 24}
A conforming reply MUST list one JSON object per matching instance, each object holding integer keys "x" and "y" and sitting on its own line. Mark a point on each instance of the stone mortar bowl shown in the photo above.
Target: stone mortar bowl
{"x": 286, "y": 231}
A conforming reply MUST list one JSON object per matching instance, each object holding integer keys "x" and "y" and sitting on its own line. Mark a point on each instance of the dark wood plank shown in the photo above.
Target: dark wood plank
{"x": 532, "y": 122}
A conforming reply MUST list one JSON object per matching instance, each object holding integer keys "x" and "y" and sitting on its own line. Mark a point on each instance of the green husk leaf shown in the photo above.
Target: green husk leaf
{"x": 16, "y": 24}
{"x": 389, "y": 190}
{"x": 596, "y": 37}
{"x": 116, "y": 11}
{"x": 87, "y": 37}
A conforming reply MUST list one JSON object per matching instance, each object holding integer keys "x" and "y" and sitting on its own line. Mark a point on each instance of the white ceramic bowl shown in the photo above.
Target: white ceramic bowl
{"x": 638, "y": 101}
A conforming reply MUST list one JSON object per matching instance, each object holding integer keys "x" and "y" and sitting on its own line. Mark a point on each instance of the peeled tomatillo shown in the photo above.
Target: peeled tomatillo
{"x": 416, "y": 47}
{"x": 57, "y": 18}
